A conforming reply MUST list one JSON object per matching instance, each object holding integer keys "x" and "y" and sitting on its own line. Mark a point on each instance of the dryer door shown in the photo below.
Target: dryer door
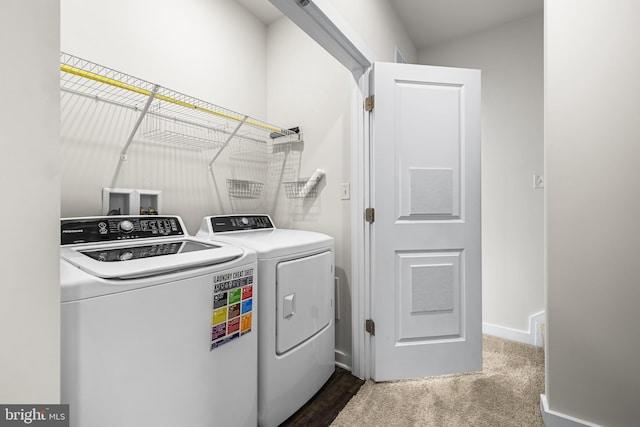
{"x": 304, "y": 293}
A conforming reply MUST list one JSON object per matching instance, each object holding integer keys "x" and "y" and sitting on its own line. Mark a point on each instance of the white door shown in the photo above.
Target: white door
{"x": 425, "y": 239}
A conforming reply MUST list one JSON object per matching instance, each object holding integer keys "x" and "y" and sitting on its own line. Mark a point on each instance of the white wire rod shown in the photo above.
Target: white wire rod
{"x": 98, "y": 98}
{"x": 235, "y": 131}
{"x": 123, "y": 153}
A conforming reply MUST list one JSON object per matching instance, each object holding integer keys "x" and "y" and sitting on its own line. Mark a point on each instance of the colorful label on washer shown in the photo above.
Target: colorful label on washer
{"x": 219, "y": 331}
{"x": 234, "y": 325}
{"x": 247, "y": 305}
{"x": 232, "y": 306}
{"x": 235, "y": 296}
{"x": 219, "y": 300}
{"x": 219, "y": 316}
{"x": 234, "y": 311}
{"x": 245, "y": 323}
{"x": 217, "y": 344}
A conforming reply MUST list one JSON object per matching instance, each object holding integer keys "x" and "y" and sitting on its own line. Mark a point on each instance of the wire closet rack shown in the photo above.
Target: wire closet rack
{"x": 170, "y": 117}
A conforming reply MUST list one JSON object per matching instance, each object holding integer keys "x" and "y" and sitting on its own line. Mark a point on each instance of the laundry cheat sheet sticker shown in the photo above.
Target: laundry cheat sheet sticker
{"x": 232, "y": 311}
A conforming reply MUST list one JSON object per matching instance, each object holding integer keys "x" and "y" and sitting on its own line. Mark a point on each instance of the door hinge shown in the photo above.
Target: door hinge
{"x": 370, "y": 326}
{"x": 369, "y": 103}
{"x": 370, "y": 215}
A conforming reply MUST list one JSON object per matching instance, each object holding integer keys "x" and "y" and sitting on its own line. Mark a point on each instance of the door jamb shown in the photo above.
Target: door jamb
{"x": 360, "y": 232}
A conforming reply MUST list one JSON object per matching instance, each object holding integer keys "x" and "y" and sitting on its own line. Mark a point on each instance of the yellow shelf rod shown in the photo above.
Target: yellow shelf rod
{"x": 112, "y": 82}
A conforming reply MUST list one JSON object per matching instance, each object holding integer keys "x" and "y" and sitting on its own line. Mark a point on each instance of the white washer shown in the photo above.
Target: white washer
{"x": 158, "y": 328}
{"x": 296, "y": 340}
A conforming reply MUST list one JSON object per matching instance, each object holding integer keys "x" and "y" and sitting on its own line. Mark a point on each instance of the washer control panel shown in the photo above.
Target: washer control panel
{"x": 226, "y": 223}
{"x": 115, "y": 228}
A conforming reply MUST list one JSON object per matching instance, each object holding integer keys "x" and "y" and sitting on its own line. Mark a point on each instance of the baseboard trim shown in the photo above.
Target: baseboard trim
{"x": 553, "y": 418}
{"x": 533, "y": 336}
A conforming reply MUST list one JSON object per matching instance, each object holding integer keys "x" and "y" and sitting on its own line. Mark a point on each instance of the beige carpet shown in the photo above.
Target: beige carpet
{"x": 506, "y": 393}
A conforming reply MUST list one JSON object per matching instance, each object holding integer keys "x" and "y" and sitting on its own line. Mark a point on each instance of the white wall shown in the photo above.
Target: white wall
{"x": 211, "y": 50}
{"x": 29, "y": 178}
{"x": 510, "y": 57}
{"x": 591, "y": 162}
{"x": 379, "y": 27}
{"x": 308, "y": 88}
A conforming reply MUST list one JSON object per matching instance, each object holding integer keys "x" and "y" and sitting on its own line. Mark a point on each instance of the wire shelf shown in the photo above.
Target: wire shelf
{"x": 173, "y": 117}
{"x": 86, "y": 78}
{"x": 158, "y": 127}
{"x": 242, "y": 189}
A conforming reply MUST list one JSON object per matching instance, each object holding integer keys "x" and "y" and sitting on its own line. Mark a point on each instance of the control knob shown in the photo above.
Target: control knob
{"x": 126, "y": 226}
{"x": 244, "y": 220}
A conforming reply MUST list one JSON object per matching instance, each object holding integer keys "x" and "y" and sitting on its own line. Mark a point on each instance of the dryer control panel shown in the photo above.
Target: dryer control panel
{"x": 226, "y": 223}
{"x": 116, "y": 228}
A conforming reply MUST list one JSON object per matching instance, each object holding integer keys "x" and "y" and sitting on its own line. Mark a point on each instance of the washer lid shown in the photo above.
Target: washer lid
{"x": 267, "y": 242}
{"x": 126, "y": 260}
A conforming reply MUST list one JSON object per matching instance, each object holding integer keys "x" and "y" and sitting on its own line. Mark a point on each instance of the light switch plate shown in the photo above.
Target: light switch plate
{"x": 345, "y": 191}
{"x": 538, "y": 181}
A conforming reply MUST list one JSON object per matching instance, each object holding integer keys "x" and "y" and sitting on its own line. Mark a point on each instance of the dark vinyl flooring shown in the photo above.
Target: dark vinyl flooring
{"x": 324, "y": 407}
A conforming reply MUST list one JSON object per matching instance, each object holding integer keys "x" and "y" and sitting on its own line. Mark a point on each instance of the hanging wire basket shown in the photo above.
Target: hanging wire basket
{"x": 301, "y": 189}
{"x": 242, "y": 189}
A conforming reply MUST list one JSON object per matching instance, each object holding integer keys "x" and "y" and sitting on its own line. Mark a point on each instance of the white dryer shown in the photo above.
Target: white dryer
{"x": 158, "y": 328}
{"x": 296, "y": 339}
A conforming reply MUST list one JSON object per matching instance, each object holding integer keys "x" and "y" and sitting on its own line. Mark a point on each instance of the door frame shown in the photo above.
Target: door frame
{"x": 361, "y": 304}
{"x": 322, "y": 23}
